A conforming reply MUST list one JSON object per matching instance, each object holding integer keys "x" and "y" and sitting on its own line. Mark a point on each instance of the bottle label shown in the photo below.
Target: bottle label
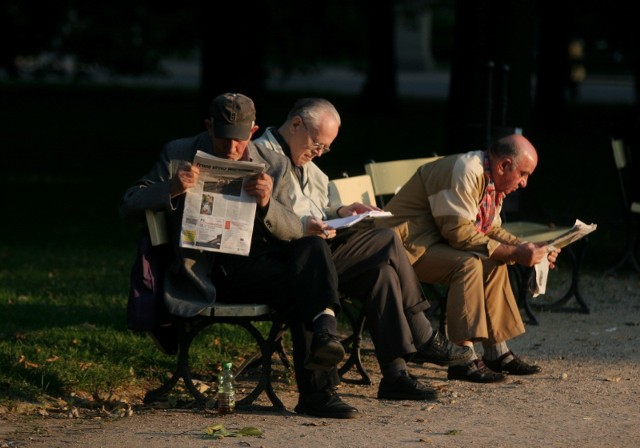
{"x": 226, "y": 402}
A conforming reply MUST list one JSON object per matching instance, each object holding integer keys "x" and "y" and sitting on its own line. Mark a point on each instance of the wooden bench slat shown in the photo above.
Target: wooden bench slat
{"x": 534, "y": 232}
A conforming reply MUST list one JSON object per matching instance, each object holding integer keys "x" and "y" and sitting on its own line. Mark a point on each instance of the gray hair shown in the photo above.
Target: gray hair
{"x": 312, "y": 109}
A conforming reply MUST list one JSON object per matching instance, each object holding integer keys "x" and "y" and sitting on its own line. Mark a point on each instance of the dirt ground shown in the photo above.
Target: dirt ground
{"x": 588, "y": 395}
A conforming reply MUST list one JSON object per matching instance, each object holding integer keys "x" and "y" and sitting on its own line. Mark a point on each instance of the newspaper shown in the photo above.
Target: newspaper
{"x": 218, "y": 213}
{"x": 348, "y": 221}
{"x": 578, "y": 231}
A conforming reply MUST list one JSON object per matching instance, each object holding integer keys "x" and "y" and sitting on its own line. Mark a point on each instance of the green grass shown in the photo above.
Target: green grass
{"x": 67, "y": 156}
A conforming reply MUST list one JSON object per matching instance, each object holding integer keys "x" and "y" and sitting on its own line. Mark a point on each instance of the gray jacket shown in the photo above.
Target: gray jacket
{"x": 188, "y": 287}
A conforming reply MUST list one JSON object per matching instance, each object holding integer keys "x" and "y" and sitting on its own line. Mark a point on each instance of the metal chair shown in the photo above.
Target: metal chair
{"x": 631, "y": 209}
{"x": 388, "y": 178}
{"x": 347, "y": 190}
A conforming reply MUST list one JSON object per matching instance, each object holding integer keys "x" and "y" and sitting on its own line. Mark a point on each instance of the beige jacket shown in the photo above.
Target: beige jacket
{"x": 440, "y": 203}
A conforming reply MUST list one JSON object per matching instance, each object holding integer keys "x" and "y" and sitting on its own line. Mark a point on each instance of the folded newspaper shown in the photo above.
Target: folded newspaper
{"x": 348, "y": 221}
{"x": 218, "y": 213}
{"x": 578, "y": 231}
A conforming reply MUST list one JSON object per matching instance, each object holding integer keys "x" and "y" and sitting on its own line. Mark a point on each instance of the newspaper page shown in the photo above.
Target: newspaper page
{"x": 348, "y": 221}
{"x": 218, "y": 213}
{"x": 578, "y": 231}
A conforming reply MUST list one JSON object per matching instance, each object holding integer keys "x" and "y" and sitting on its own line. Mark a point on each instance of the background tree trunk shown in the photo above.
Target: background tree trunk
{"x": 490, "y": 89}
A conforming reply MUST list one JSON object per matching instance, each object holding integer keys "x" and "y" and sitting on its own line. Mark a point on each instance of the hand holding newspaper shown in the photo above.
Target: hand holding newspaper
{"x": 218, "y": 213}
{"x": 578, "y": 231}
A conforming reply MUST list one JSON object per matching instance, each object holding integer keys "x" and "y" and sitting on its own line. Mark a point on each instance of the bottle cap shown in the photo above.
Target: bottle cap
{"x": 227, "y": 365}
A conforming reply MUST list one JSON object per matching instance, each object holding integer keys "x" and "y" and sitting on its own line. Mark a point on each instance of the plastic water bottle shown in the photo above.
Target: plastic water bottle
{"x": 226, "y": 393}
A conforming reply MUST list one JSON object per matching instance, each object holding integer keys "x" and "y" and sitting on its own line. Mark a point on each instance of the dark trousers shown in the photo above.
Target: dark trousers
{"x": 373, "y": 268}
{"x": 296, "y": 278}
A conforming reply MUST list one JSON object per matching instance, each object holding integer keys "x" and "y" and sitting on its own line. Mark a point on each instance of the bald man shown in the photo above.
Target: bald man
{"x": 448, "y": 216}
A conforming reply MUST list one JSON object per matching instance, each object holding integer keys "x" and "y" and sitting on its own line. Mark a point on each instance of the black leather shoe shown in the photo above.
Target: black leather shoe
{"x": 511, "y": 364}
{"x": 443, "y": 352}
{"x": 405, "y": 387}
{"x": 326, "y": 404}
{"x": 326, "y": 352}
{"x": 475, "y": 372}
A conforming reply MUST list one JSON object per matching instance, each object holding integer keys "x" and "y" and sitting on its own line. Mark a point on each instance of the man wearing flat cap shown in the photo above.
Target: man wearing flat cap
{"x": 284, "y": 269}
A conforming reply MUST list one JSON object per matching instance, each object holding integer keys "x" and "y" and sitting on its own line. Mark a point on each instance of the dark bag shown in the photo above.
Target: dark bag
{"x": 146, "y": 309}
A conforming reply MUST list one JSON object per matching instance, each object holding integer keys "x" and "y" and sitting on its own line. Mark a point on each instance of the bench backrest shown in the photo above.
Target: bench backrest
{"x": 348, "y": 190}
{"x": 389, "y": 177}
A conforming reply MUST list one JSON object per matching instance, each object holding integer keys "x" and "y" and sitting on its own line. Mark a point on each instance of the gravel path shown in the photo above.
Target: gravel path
{"x": 588, "y": 395}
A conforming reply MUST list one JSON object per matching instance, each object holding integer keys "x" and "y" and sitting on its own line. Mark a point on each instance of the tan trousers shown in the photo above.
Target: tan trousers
{"x": 480, "y": 302}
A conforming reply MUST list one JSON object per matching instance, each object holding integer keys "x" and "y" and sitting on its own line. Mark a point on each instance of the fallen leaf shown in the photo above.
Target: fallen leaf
{"x": 218, "y": 431}
{"x": 454, "y": 432}
{"x": 85, "y": 365}
{"x": 250, "y": 431}
{"x": 616, "y": 379}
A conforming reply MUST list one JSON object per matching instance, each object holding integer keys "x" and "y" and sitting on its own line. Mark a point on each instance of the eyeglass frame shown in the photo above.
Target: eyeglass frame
{"x": 315, "y": 146}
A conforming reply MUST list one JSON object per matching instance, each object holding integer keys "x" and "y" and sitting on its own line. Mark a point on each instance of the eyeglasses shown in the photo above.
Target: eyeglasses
{"x": 318, "y": 148}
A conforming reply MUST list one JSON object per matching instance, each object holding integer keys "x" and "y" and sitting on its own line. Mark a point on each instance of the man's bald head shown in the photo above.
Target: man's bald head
{"x": 513, "y": 159}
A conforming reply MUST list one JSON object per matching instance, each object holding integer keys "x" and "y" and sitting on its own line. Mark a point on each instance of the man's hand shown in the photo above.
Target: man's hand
{"x": 552, "y": 256}
{"x": 355, "y": 209}
{"x": 528, "y": 254}
{"x": 186, "y": 177}
{"x": 319, "y": 228}
{"x": 260, "y": 187}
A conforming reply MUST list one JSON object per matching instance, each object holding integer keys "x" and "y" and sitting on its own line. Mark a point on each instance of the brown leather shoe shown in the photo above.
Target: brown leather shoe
{"x": 511, "y": 364}
{"x": 475, "y": 372}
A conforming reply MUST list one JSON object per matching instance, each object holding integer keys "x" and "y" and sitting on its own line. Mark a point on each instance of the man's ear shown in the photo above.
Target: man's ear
{"x": 505, "y": 165}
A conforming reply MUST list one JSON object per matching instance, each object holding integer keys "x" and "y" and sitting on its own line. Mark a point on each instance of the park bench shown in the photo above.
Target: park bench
{"x": 246, "y": 316}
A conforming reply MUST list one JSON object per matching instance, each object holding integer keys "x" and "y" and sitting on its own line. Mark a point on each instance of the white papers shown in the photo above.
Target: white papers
{"x": 348, "y": 221}
{"x": 579, "y": 230}
{"x": 218, "y": 213}
{"x": 542, "y": 274}
{"x": 576, "y": 232}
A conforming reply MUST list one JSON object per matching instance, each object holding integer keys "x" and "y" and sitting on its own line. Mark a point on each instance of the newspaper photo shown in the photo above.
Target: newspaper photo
{"x": 218, "y": 213}
{"x": 579, "y": 230}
